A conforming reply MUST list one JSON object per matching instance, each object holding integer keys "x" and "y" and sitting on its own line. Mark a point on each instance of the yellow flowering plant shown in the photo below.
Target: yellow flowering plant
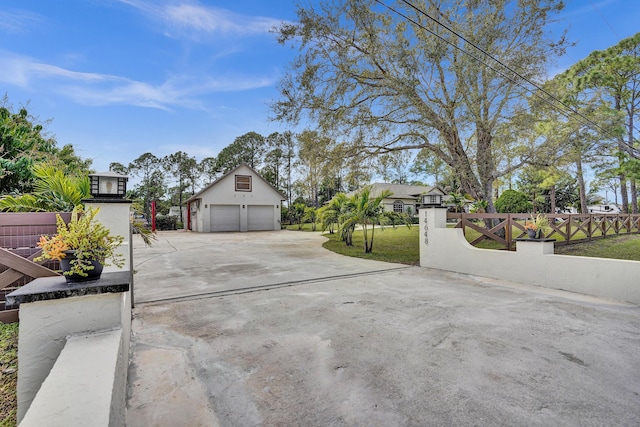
{"x": 538, "y": 223}
{"x": 89, "y": 240}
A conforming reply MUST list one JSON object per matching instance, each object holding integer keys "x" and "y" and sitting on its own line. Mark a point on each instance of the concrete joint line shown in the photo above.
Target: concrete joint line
{"x": 260, "y": 288}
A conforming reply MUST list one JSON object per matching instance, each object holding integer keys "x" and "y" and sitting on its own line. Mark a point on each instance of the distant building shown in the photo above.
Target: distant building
{"x": 241, "y": 200}
{"x": 406, "y": 198}
{"x": 611, "y": 209}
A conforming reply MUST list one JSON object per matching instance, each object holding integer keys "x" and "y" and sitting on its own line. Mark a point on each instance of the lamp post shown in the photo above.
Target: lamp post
{"x": 108, "y": 190}
{"x": 108, "y": 185}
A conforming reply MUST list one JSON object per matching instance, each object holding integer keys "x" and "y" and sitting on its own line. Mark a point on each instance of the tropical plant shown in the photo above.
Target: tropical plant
{"x": 53, "y": 191}
{"x": 479, "y": 206}
{"x": 538, "y": 223}
{"x": 397, "y": 218}
{"x": 311, "y": 216}
{"x": 458, "y": 201}
{"x": 367, "y": 212}
{"x": 296, "y": 213}
{"x": 85, "y": 235}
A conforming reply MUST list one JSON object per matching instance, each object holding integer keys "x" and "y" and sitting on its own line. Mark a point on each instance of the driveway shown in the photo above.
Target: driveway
{"x": 271, "y": 329}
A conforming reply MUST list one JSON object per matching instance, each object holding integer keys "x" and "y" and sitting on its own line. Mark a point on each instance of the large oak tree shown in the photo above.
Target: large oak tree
{"x": 385, "y": 82}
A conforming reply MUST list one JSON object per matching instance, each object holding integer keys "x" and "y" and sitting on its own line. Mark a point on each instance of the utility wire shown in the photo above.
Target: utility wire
{"x": 571, "y": 109}
{"x": 594, "y": 7}
{"x": 563, "y": 111}
{"x": 567, "y": 107}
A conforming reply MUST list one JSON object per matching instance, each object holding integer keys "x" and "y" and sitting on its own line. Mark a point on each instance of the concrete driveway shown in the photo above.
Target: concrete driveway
{"x": 271, "y": 329}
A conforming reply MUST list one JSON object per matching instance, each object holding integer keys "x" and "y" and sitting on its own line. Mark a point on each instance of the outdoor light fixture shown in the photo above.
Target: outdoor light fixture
{"x": 108, "y": 185}
{"x": 432, "y": 199}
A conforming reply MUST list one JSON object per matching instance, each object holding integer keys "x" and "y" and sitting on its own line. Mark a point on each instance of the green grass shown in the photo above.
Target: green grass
{"x": 618, "y": 247}
{"x": 398, "y": 245}
{"x": 305, "y": 227}
{"x": 401, "y": 245}
{"x": 8, "y": 373}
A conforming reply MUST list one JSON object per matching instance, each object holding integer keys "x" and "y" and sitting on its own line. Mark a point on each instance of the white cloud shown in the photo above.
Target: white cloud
{"x": 104, "y": 89}
{"x": 189, "y": 18}
{"x": 17, "y": 21}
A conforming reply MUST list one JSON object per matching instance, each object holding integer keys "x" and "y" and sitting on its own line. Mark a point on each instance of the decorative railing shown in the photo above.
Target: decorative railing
{"x": 499, "y": 231}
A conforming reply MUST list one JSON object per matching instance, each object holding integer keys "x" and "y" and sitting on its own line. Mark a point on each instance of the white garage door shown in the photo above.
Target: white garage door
{"x": 260, "y": 217}
{"x": 225, "y": 218}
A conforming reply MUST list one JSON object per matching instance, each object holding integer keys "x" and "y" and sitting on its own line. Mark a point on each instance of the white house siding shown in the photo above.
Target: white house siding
{"x": 388, "y": 204}
{"x": 223, "y": 193}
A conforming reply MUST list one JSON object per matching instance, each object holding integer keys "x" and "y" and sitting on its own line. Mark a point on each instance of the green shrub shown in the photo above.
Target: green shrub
{"x": 166, "y": 222}
{"x": 512, "y": 201}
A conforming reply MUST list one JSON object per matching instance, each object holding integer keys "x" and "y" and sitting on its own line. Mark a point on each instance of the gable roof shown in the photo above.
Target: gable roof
{"x": 400, "y": 191}
{"x": 197, "y": 195}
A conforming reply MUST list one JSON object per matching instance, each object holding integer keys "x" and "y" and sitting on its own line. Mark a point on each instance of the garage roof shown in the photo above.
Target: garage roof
{"x": 199, "y": 193}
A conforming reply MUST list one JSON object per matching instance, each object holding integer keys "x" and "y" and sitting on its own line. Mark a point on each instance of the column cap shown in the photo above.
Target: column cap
{"x": 53, "y": 288}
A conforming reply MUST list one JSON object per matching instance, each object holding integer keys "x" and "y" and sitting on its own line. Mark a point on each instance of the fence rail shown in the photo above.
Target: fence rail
{"x": 19, "y": 235}
{"x": 499, "y": 231}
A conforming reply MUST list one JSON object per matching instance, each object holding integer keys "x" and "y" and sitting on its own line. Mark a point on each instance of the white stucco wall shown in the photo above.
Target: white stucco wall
{"x": 84, "y": 387}
{"x": 224, "y": 193}
{"x": 45, "y": 326}
{"x": 533, "y": 263}
{"x": 116, "y": 217}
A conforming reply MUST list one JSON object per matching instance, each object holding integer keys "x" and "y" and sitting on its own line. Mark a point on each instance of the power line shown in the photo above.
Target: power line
{"x": 604, "y": 19}
{"x": 563, "y": 111}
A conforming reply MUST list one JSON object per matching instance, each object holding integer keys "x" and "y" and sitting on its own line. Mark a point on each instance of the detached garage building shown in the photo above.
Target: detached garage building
{"x": 241, "y": 200}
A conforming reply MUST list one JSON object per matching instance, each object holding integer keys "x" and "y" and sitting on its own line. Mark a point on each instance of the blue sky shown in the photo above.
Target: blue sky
{"x": 123, "y": 77}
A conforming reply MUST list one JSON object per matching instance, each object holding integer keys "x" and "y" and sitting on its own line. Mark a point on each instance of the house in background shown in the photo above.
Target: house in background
{"x": 406, "y": 198}
{"x": 241, "y": 200}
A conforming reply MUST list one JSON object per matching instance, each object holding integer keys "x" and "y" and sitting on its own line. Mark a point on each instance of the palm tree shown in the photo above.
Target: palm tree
{"x": 310, "y": 215}
{"x": 329, "y": 214}
{"x": 367, "y": 212}
{"x": 53, "y": 191}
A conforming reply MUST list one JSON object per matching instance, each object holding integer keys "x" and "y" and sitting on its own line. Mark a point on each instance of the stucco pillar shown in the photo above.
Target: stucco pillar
{"x": 432, "y": 221}
{"x": 51, "y": 310}
{"x": 533, "y": 247}
{"x": 115, "y": 215}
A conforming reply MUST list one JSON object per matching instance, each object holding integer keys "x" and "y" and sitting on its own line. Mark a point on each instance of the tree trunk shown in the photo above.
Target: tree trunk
{"x": 581, "y": 186}
{"x": 623, "y": 181}
{"x": 373, "y": 229}
{"x": 634, "y": 196}
{"x": 486, "y": 166}
{"x": 624, "y": 195}
{"x": 552, "y": 197}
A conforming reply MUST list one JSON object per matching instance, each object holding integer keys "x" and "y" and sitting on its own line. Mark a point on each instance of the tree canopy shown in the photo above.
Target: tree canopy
{"x": 387, "y": 82}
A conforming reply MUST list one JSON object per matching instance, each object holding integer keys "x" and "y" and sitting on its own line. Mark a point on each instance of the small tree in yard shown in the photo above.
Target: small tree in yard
{"x": 310, "y": 215}
{"x": 366, "y": 211}
{"x": 296, "y": 213}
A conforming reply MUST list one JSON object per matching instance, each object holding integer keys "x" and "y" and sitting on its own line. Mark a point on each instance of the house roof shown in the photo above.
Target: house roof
{"x": 199, "y": 193}
{"x": 401, "y": 191}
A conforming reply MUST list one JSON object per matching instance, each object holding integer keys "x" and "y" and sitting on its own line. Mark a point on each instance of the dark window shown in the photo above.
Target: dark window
{"x": 243, "y": 183}
{"x": 398, "y": 206}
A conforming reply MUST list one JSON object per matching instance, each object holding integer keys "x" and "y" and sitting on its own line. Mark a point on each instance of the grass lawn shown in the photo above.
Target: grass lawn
{"x": 401, "y": 245}
{"x": 391, "y": 245}
{"x": 619, "y": 247}
{"x": 8, "y": 373}
{"x": 294, "y": 227}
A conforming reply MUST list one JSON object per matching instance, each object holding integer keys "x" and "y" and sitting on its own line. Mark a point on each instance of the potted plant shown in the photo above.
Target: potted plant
{"x": 83, "y": 246}
{"x": 537, "y": 227}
